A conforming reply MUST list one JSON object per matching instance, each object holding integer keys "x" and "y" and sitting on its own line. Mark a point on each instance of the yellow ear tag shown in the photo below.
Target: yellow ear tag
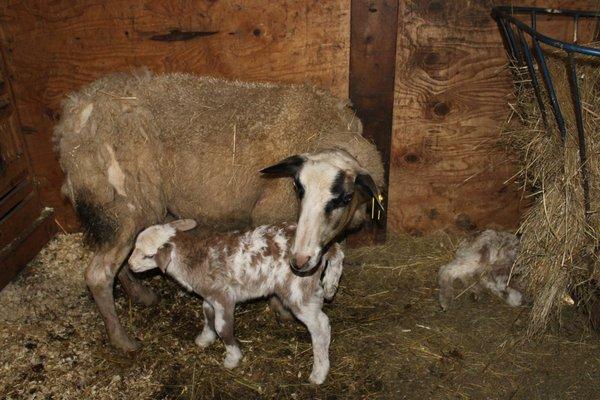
{"x": 380, "y": 198}
{"x": 372, "y": 207}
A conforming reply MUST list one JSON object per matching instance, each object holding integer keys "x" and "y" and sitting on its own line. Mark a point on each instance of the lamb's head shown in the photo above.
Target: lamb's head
{"x": 510, "y": 245}
{"x": 498, "y": 248}
{"x": 331, "y": 187}
{"x": 153, "y": 247}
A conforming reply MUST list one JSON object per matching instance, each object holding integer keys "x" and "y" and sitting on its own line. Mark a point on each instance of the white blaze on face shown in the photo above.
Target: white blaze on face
{"x": 314, "y": 224}
{"x": 147, "y": 244}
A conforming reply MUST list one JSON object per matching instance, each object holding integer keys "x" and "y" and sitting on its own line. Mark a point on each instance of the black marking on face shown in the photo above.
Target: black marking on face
{"x": 299, "y": 188}
{"x": 341, "y": 198}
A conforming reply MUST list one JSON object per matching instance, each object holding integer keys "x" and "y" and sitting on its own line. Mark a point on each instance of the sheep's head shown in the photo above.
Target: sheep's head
{"x": 331, "y": 186}
{"x": 153, "y": 245}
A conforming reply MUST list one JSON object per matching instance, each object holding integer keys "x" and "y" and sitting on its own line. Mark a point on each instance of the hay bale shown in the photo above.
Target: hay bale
{"x": 559, "y": 245}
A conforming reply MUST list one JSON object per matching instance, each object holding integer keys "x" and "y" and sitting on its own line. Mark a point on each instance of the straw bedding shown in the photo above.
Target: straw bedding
{"x": 559, "y": 245}
{"x": 389, "y": 339}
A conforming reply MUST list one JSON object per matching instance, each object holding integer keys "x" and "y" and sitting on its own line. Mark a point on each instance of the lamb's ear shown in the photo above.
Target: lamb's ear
{"x": 286, "y": 167}
{"x": 163, "y": 257}
{"x": 364, "y": 182}
{"x": 484, "y": 254}
{"x": 183, "y": 224}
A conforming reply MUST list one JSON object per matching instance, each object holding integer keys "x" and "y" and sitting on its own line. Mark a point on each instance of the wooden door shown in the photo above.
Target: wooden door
{"x": 24, "y": 225}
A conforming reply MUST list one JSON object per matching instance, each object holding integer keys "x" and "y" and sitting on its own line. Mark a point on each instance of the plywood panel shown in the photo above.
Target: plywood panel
{"x": 451, "y": 94}
{"x": 55, "y": 47}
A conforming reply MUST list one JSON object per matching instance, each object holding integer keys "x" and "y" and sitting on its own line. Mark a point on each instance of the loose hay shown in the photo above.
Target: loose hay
{"x": 559, "y": 246}
{"x": 389, "y": 339}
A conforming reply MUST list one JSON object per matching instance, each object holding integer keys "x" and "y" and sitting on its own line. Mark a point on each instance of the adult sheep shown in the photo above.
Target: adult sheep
{"x": 137, "y": 147}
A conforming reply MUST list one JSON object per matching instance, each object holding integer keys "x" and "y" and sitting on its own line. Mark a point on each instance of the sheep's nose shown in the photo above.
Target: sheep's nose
{"x": 299, "y": 262}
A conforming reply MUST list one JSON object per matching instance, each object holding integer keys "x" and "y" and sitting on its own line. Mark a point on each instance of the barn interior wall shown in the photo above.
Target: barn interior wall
{"x": 451, "y": 87}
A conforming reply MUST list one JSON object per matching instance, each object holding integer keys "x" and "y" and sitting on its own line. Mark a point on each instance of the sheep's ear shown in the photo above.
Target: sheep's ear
{"x": 183, "y": 224}
{"x": 364, "y": 182}
{"x": 163, "y": 257}
{"x": 286, "y": 167}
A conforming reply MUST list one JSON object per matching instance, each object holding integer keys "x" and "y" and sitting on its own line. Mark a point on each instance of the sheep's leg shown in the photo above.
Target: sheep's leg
{"x": 224, "y": 327}
{"x": 320, "y": 333}
{"x": 208, "y": 335}
{"x": 99, "y": 276}
{"x": 282, "y": 313}
{"x": 333, "y": 272}
{"x": 136, "y": 290}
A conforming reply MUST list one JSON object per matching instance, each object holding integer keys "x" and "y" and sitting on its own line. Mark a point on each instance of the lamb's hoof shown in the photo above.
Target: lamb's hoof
{"x": 205, "y": 339}
{"x": 234, "y": 355}
{"x": 231, "y": 362}
{"x": 284, "y": 317}
{"x": 444, "y": 303}
{"x": 329, "y": 293}
{"x": 317, "y": 379}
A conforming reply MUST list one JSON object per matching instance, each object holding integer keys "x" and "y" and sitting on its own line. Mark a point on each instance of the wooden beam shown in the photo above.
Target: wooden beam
{"x": 373, "y": 32}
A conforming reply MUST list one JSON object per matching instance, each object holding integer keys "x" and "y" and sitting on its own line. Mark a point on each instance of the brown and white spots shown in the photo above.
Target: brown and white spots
{"x": 226, "y": 269}
{"x": 331, "y": 187}
{"x": 487, "y": 262}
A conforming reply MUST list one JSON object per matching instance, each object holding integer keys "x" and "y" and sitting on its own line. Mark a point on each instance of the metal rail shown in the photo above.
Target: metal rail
{"x": 529, "y": 54}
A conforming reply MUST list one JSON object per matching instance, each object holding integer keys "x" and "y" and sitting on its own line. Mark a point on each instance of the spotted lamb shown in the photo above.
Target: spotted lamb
{"x": 228, "y": 268}
{"x": 487, "y": 262}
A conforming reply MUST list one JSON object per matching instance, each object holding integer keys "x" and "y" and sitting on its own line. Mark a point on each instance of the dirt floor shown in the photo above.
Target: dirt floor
{"x": 390, "y": 340}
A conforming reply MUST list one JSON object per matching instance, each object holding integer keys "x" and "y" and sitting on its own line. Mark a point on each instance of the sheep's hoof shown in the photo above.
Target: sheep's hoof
{"x": 148, "y": 298}
{"x": 205, "y": 339}
{"x": 125, "y": 344}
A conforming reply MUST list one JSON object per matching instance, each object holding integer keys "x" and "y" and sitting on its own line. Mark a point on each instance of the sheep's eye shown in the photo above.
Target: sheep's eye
{"x": 149, "y": 256}
{"x": 346, "y": 199}
{"x": 340, "y": 201}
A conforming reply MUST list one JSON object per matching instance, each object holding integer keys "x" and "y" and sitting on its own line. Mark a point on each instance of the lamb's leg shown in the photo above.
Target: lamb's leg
{"x": 446, "y": 283}
{"x": 458, "y": 269}
{"x": 99, "y": 276}
{"x": 514, "y": 298}
{"x": 136, "y": 290}
{"x": 283, "y": 314}
{"x": 333, "y": 272}
{"x": 224, "y": 326}
{"x": 320, "y": 333}
{"x": 208, "y": 335}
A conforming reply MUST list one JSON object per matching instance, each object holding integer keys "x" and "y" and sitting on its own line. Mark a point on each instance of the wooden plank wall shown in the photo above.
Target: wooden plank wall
{"x": 55, "y": 47}
{"x": 451, "y": 92}
{"x": 450, "y": 86}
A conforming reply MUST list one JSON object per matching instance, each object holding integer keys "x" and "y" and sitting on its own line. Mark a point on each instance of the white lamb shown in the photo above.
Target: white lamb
{"x": 484, "y": 263}
{"x": 229, "y": 268}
